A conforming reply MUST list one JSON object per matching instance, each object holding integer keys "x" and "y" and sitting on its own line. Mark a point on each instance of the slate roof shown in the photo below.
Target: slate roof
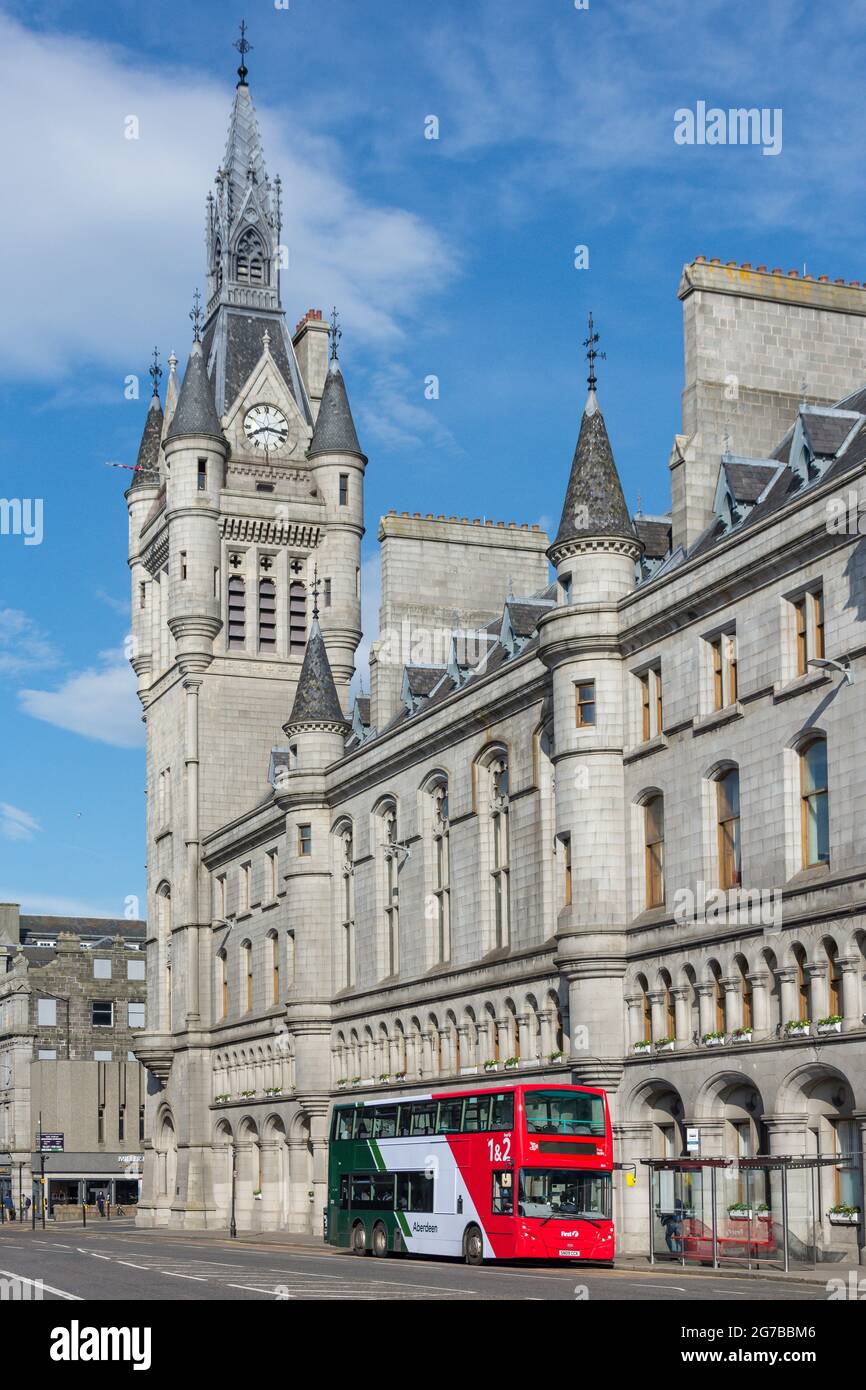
{"x": 362, "y": 703}
{"x": 196, "y": 412}
{"x": 825, "y": 433}
{"x": 233, "y": 344}
{"x": 655, "y": 534}
{"x": 335, "y": 429}
{"x": 524, "y": 615}
{"x": 421, "y": 680}
{"x": 594, "y": 501}
{"x": 147, "y": 462}
{"x": 748, "y": 480}
{"x": 243, "y": 147}
{"x": 316, "y": 700}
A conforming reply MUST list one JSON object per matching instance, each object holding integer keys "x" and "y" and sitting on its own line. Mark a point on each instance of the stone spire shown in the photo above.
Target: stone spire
{"x": 335, "y": 431}
{"x": 147, "y": 464}
{"x": 195, "y": 412}
{"x": 316, "y": 701}
{"x": 594, "y": 500}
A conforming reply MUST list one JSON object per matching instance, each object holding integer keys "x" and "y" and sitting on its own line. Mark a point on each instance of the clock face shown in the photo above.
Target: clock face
{"x": 266, "y": 428}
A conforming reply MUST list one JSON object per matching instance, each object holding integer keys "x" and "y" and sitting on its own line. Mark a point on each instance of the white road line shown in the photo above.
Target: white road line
{"x": 655, "y": 1287}
{"x": 197, "y": 1277}
{"x": 253, "y": 1289}
{"x": 39, "y": 1284}
{"x": 131, "y": 1265}
{"x": 100, "y": 1257}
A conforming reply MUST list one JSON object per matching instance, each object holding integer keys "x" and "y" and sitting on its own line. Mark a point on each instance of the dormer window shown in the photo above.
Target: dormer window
{"x": 250, "y": 260}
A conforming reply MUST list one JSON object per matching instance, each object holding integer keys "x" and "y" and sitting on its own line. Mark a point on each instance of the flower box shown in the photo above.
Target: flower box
{"x": 741, "y": 1035}
{"x": 713, "y": 1039}
{"x": 666, "y": 1044}
{"x": 555, "y": 1058}
{"x": 849, "y": 1216}
{"x": 641, "y": 1048}
{"x": 798, "y": 1030}
{"x": 512, "y": 1063}
{"x": 829, "y": 1025}
{"x": 491, "y": 1066}
{"x": 247, "y": 1095}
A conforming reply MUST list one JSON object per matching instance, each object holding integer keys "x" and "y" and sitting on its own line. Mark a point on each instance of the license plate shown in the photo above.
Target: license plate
{"x": 569, "y": 1254}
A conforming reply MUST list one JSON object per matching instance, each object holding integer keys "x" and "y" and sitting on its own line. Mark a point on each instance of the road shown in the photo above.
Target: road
{"x": 140, "y": 1266}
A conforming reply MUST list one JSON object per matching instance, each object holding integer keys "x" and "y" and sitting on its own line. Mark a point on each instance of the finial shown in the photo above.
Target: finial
{"x": 266, "y": 340}
{"x": 592, "y": 353}
{"x": 172, "y": 362}
{"x": 243, "y": 48}
{"x": 726, "y": 442}
{"x": 155, "y": 371}
{"x": 335, "y": 333}
{"x": 195, "y": 315}
{"x": 638, "y": 512}
{"x": 315, "y": 592}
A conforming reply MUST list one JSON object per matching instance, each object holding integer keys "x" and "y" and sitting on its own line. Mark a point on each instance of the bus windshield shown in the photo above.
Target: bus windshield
{"x": 564, "y": 1112}
{"x": 564, "y": 1192}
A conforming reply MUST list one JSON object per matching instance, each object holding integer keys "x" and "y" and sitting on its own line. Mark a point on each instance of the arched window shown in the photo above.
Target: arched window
{"x": 267, "y": 615}
{"x": 803, "y": 991}
{"x": 654, "y": 850}
{"x": 347, "y": 903}
{"x": 441, "y": 873}
{"x": 390, "y": 856}
{"x": 814, "y": 803}
{"x": 834, "y": 979}
{"x": 728, "y": 821}
{"x": 297, "y": 616}
{"x": 250, "y": 260}
{"x": 646, "y": 1009}
{"x": 247, "y": 966}
{"x": 719, "y": 1003}
{"x": 218, "y": 264}
{"x": 237, "y": 624}
{"x": 223, "y": 983}
{"x": 274, "y": 940}
{"x": 501, "y": 850}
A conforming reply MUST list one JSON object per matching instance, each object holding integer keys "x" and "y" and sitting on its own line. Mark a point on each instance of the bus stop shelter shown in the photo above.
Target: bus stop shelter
{"x": 764, "y": 1212}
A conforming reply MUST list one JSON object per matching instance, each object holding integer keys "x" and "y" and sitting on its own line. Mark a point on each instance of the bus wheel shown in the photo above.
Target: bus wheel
{"x": 473, "y": 1246}
{"x": 359, "y": 1239}
{"x": 380, "y": 1240}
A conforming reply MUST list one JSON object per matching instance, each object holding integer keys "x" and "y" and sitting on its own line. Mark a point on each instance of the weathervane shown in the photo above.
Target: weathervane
{"x": 155, "y": 371}
{"x": 195, "y": 315}
{"x": 243, "y": 48}
{"x": 335, "y": 333}
{"x": 315, "y": 591}
{"x": 592, "y": 353}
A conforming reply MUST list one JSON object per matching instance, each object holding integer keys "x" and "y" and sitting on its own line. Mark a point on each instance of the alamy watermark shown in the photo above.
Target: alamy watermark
{"x": 756, "y": 907}
{"x": 739, "y": 125}
{"x": 22, "y": 516}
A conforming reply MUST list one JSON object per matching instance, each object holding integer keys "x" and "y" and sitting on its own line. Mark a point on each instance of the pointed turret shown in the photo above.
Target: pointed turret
{"x": 147, "y": 463}
{"x": 335, "y": 431}
{"x": 172, "y": 389}
{"x": 316, "y": 704}
{"x": 195, "y": 412}
{"x": 594, "y": 500}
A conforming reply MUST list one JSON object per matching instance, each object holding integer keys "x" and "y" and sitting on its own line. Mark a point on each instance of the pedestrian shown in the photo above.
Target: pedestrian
{"x": 28, "y": 1203}
{"x": 10, "y": 1206}
{"x": 100, "y": 1203}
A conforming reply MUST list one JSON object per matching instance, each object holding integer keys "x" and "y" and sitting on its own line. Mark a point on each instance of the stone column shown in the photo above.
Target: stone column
{"x": 192, "y": 685}
{"x": 526, "y": 1048}
{"x": 635, "y": 1020}
{"x": 485, "y": 1041}
{"x": 788, "y": 984}
{"x": 446, "y": 1062}
{"x": 657, "y": 1005}
{"x": 706, "y": 1008}
{"x": 733, "y": 1003}
{"x": 761, "y": 1022}
{"x": 547, "y": 1039}
{"x": 272, "y": 1206}
{"x": 467, "y": 1046}
{"x": 427, "y": 1053}
{"x": 819, "y": 989}
{"x": 683, "y": 1014}
{"x": 852, "y": 1012}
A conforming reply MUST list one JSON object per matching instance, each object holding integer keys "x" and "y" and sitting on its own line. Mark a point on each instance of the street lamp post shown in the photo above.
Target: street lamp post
{"x": 233, "y": 1225}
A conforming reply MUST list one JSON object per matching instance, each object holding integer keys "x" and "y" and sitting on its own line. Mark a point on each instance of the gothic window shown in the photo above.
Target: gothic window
{"x": 501, "y": 852}
{"x": 814, "y": 803}
{"x": 745, "y": 992}
{"x": 646, "y": 1009}
{"x": 250, "y": 261}
{"x": 267, "y": 615}
{"x": 247, "y": 972}
{"x": 719, "y": 1002}
{"x": 274, "y": 940}
{"x": 441, "y": 873}
{"x": 728, "y": 821}
{"x": 223, "y": 983}
{"x": 654, "y": 851}
{"x": 297, "y": 616}
{"x": 347, "y": 903}
{"x": 237, "y": 613}
{"x": 390, "y": 852}
{"x": 218, "y": 264}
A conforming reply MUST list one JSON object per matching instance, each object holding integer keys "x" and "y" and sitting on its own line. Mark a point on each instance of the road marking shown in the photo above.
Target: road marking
{"x": 676, "y": 1287}
{"x": 199, "y": 1278}
{"x": 100, "y": 1257}
{"x": 252, "y": 1289}
{"x": 131, "y": 1265}
{"x": 39, "y": 1284}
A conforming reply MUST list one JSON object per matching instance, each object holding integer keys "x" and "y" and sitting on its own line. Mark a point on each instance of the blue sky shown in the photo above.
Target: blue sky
{"x": 451, "y": 257}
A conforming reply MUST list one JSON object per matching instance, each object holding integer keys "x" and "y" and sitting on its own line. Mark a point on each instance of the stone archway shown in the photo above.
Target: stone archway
{"x": 223, "y": 1157}
{"x": 275, "y": 1175}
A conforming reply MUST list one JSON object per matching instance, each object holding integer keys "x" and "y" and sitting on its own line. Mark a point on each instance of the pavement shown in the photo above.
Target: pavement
{"x": 115, "y": 1261}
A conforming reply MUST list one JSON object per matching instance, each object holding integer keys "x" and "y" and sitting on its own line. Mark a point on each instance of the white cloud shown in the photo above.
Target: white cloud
{"x": 99, "y": 703}
{"x": 105, "y": 228}
{"x": 16, "y": 824}
{"x": 23, "y": 647}
{"x": 397, "y": 414}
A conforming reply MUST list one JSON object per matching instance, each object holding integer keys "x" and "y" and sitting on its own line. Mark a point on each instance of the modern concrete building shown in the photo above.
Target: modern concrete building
{"x": 72, "y": 1002}
{"x": 527, "y": 845}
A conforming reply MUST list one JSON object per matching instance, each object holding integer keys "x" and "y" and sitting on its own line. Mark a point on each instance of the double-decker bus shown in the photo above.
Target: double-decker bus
{"x": 524, "y": 1172}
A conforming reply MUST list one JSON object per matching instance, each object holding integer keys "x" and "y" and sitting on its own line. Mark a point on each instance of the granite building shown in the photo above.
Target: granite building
{"x": 598, "y": 819}
{"x": 72, "y": 1003}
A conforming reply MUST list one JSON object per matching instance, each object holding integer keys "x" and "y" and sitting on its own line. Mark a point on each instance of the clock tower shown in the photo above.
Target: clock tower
{"x": 249, "y": 481}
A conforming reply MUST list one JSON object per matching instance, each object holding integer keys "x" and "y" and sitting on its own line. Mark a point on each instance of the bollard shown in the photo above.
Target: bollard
{"x": 83, "y": 1214}
{"x": 108, "y": 1211}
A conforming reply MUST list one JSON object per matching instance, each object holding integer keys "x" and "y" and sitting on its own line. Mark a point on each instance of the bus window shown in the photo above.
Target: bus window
{"x": 343, "y": 1122}
{"x": 502, "y": 1111}
{"x": 449, "y": 1117}
{"x": 414, "y": 1192}
{"x": 363, "y": 1123}
{"x": 404, "y": 1123}
{"x": 475, "y": 1113}
{"x": 362, "y": 1191}
{"x": 373, "y": 1190}
{"x": 344, "y": 1192}
{"x": 503, "y": 1194}
{"x": 384, "y": 1122}
{"x": 424, "y": 1119}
